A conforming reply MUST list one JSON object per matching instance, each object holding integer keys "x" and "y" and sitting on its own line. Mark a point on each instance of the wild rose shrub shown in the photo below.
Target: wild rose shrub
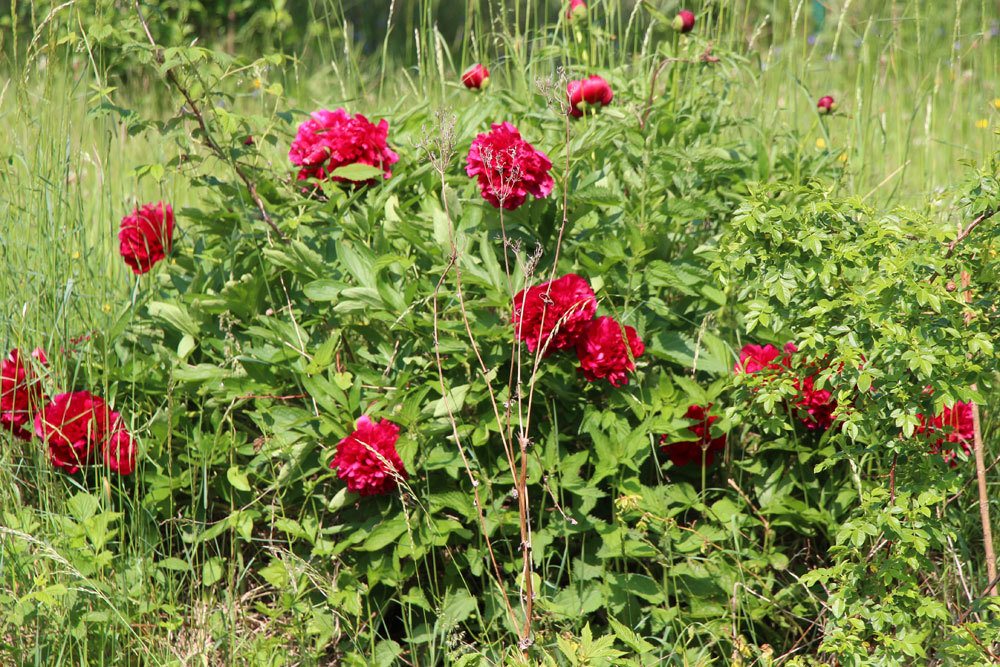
{"x": 257, "y": 354}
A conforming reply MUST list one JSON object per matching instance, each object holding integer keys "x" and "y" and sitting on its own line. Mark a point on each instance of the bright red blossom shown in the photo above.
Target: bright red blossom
{"x": 815, "y": 406}
{"x": 118, "y": 447}
{"x": 605, "y": 352}
{"x": 367, "y": 459}
{"x": 145, "y": 236}
{"x": 691, "y": 451}
{"x": 20, "y": 394}
{"x": 554, "y": 314}
{"x": 826, "y": 104}
{"x": 954, "y": 425}
{"x": 754, "y": 358}
{"x": 333, "y": 139}
{"x": 476, "y": 77}
{"x": 73, "y": 426}
{"x": 590, "y": 92}
{"x": 508, "y": 168}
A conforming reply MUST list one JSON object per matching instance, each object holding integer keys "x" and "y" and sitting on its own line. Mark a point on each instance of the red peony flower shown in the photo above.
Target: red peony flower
{"x": 755, "y": 358}
{"x": 145, "y": 236}
{"x": 118, "y": 448}
{"x": 367, "y": 459}
{"x": 826, "y": 105}
{"x": 684, "y": 21}
{"x": 577, "y": 9}
{"x": 333, "y": 139}
{"x": 589, "y": 92}
{"x": 476, "y": 77}
{"x": 691, "y": 451}
{"x": 554, "y": 314}
{"x": 603, "y": 352}
{"x": 73, "y": 425}
{"x": 508, "y": 168}
{"x": 20, "y": 394}
{"x": 954, "y": 425}
{"x": 816, "y": 406}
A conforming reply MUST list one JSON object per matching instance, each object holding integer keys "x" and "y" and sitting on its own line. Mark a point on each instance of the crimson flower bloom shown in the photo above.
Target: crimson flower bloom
{"x": 476, "y": 77}
{"x": 20, "y": 394}
{"x": 508, "y": 168}
{"x": 684, "y": 21}
{"x": 755, "y": 358}
{"x": 589, "y": 92}
{"x": 333, "y": 139}
{"x": 605, "y": 352}
{"x": 118, "y": 447}
{"x": 577, "y": 9}
{"x": 954, "y": 425}
{"x": 826, "y": 105}
{"x": 553, "y": 315}
{"x": 145, "y": 236}
{"x": 691, "y": 451}
{"x": 367, "y": 459}
{"x": 816, "y": 406}
{"x": 73, "y": 426}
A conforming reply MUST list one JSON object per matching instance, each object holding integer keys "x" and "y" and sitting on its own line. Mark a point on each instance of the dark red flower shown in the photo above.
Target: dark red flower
{"x": 333, "y": 139}
{"x": 508, "y": 168}
{"x": 826, "y": 104}
{"x": 118, "y": 447}
{"x": 815, "y": 406}
{"x": 146, "y": 235}
{"x": 755, "y": 358}
{"x": 954, "y": 425}
{"x": 20, "y": 394}
{"x": 554, "y": 314}
{"x": 476, "y": 77}
{"x": 577, "y": 9}
{"x": 367, "y": 459}
{"x": 684, "y": 21}
{"x": 691, "y": 451}
{"x": 249, "y": 140}
{"x": 73, "y": 426}
{"x": 606, "y": 352}
{"x": 589, "y": 92}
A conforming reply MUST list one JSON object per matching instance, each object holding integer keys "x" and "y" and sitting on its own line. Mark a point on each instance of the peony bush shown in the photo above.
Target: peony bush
{"x": 360, "y": 410}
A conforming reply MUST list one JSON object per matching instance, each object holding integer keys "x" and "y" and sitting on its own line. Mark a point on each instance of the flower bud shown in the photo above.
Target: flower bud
{"x": 592, "y": 91}
{"x": 684, "y": 21}
{"x": 826, "y": 105}
{"x": 476, "y": 77}
{"x": 577, "y": 10}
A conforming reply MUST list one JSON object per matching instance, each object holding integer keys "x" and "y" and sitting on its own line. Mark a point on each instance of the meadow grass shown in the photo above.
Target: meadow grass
{"x": 918, "y": 87}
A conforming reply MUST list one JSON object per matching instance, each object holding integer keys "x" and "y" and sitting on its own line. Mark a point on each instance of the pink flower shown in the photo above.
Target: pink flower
{"x": 145, "y": 236}
{"x": 592, "y": 91}
{"x": 754, "y": 358}
{"x": 684, "y": 21}
{"x": 554, "y": 314}
{"x": 826, "y": 105}
{"x": 20, "y": 395}
{"x": 508, "y": 168}
{"x": 73, "y": 425}
{"x": 577, "y": 9}
{"x": 691, "y": 451}
{"x": 606, "y": 352}
{"x": 367, "y": 459}
{"x": 333, "y": 139}
{"x": 954, "y": 425}
{"x": 118, "y": 447}
{"x": 476, "y": 77}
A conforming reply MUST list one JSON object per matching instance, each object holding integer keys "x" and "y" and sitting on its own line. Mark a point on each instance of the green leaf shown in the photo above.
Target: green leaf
{"x": 357, "y": 172}
{"x": 238, "y": 479}
{"x": 212, "y": 571}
